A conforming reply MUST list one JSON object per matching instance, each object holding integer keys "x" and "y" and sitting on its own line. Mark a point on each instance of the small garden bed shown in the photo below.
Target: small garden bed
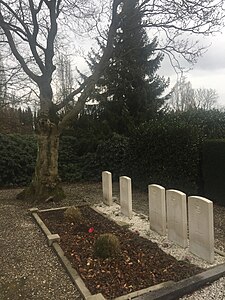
{"x": 141, "y": 263}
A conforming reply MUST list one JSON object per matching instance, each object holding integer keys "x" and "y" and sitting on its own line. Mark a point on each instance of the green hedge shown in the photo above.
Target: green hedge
{"x": 112, "y": 155}
{"x": 165, "y": 151}
{"x": 109, "y": 155}
{"x": 17, "y": 159}
{"x": 155, "y": 153}
{"x": 213, "y": 170}
{"x": 68, "y": 159}
{"x": 72, "y": 165}
{"x": 166, "y": 154}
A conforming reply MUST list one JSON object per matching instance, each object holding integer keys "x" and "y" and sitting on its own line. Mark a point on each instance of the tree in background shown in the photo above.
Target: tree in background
{"x": 30, "y": 29}
{"x": 14, "y": 120}
{"x": 129, "y": 91}
{"x": 206, "y": 99}
{"x": 3, "y": 85}
{"x": 64, "y": 79}
{"x": 184, "y": 97}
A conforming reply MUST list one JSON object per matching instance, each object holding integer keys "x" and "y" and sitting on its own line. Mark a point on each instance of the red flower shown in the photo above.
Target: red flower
{"x": 90, "y": 230}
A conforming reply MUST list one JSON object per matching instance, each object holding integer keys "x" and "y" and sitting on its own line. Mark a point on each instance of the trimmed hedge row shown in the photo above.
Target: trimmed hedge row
{"x": 166, "y": 151}
{"x": 167, "y": 154}
{"x": 154, "y": 153}
{"x": 213, "y": 168}
{"x": 17, "y": 159}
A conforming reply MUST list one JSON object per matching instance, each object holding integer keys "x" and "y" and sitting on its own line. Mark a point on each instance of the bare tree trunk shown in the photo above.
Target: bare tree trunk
{"x": 46, "y": 181}
{"x": 46, "y": 184}
{"x": 46, "y": 171}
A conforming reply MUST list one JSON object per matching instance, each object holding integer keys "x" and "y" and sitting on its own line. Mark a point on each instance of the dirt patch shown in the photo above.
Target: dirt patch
{"x": 141, "y": 263}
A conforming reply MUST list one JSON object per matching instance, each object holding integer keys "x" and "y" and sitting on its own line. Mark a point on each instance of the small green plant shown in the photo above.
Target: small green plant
{"x": 107, "y": 245}
{"x": 73, "y": 214}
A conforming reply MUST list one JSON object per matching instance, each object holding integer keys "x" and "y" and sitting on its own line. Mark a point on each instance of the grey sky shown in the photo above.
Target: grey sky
{"x": 209, "y": 71}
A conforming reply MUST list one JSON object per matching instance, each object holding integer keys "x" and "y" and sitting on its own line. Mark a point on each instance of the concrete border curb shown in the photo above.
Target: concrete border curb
{"x": 186, "y": 286}
{"x": 76, "y": 279}
{"x": 146, "y": 290}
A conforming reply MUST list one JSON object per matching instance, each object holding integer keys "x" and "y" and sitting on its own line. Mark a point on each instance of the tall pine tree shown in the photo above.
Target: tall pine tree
{"x": 129, "y": 91}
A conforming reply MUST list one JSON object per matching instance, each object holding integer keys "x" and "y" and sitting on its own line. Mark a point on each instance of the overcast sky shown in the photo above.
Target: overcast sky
{"x": 209, "y": 71}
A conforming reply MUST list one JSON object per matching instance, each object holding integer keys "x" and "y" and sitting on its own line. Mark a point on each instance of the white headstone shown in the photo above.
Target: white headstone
{"x": 201, "y": 229}
{"x": 177, "y": 217}
{"x": 107, "y": 187}
{"x": 126, "y": 196}
{"x": 157, "y": 208}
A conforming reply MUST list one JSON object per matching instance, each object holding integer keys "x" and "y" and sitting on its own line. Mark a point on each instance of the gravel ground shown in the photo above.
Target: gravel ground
{"x": 215, "y": 291}
{"x": 30, "y": 270}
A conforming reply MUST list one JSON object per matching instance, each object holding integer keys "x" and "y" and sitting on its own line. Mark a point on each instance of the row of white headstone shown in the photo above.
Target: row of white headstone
{"x": 170, "y": 214}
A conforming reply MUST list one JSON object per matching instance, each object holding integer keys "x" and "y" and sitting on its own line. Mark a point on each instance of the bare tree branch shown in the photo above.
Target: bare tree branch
{"x": 90, "y": 82}
{"x": 15, "y": 51}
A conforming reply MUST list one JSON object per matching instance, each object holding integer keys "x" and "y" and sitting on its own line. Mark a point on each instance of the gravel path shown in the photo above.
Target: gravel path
{"x": 30, "y": 270}
{"x": 215, "y": 291}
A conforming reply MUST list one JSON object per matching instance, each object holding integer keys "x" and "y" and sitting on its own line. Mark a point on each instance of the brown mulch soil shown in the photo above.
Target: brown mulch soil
{"x": 141, "y": 263}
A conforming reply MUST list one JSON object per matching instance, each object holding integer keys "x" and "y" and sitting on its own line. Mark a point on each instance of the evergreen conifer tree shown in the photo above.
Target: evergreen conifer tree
{"x": 129, "y": 91}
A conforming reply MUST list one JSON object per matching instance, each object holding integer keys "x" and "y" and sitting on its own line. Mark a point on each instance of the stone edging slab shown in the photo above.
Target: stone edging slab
{"x": 164, "y": 291}
{"x": 186, "y": 286}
